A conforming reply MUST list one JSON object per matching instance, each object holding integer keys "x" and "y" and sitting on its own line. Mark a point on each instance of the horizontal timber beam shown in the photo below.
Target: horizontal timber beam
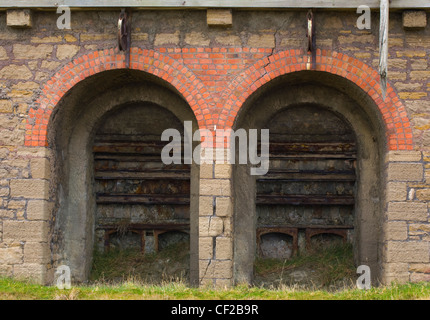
{"x": 142, "y": 4}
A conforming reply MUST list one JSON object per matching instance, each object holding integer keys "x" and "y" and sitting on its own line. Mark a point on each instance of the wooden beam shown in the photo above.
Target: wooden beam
{"x": 323, "y": 4}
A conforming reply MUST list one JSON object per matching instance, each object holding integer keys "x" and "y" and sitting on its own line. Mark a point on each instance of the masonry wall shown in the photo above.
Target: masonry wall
{"x": 215, "y": 68}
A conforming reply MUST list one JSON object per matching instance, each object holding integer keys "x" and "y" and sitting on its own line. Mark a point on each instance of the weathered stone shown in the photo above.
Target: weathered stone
{"x": 15, "y": 72}
{"x": 38, "y": 210}
{"x": 414, "y": 19}
{"x": 224, "y": 207}
{"x": 407, "y": 211}
{"x": 197, "y": 39}
{"x": 407, "y": 251}
{"x": 49, "y": 39}
{"x": 395, "y": 272}
{"x": 224, "y": 248}
{"x": 36, "y": 252}
{"x": 29, "y": 188}
{"x": 216, "y": 269}
{"x": 228, "y": 40}
{"x": 35, "y": 272}
{"x": 50, "y": 65}
{"x": 11, "y": 253}
{"x": 215, "y": 187}
{"x": 40, "y": 168}
{"x": 19, "y": 18}
{"x": 396, "y": 191}
{"x": 24, "y": 51}
{"x": 419, "y": 229}
{"x": 166, "y": 39}
{"x": 264, "y": 40}
{"x": 219, "y": 17}
{"x": 420, "y": 267}
{"x": 405, "y": 171}
{"x": 396, "y": 230}
{"x": 205, "y": 247}
{"x": 6, "y": 106}
{"x": 211, "y": 226}
{"x": 223, "y": 171}
{"x": 206, "y": 206}
{"x": 3, "y": 54}
{"x": 14, "y": 231}
{"x": 206, "y": 171}
{"x": 67, "y": 51}
{"x": 403, "y": 156}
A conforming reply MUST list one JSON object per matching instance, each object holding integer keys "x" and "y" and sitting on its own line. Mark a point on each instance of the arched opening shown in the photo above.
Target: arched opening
{"x": 114, "y": 192}
{"x": 324, "y": 179}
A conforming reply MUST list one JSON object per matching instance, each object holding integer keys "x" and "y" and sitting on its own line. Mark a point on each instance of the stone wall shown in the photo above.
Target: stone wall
{"x": 215, "y": 65}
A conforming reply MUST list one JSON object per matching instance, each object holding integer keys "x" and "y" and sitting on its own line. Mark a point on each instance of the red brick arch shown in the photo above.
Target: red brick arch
{"x": 398, "y": 129}
{"x": 150, "y": 61}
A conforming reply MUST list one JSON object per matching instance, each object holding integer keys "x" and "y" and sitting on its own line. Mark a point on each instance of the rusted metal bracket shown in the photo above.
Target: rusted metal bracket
{"x": 124, "y": 34}
{"x": 311, "y": 43}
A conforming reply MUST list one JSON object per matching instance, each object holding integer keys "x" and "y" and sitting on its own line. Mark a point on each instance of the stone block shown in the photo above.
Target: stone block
{"x": 67, "y": 51}
{"x": 19, "y": 18}
{"x": 414, "y": 19}
{"x": 396, "y": 230}
{"x": 224, "y": 248}
{"x": 29, "y": 188}
{"x": 403, "y": 156}
{"x": 15, "y": 231}
{"x": 34, "y": 272}
{"x": 405, "y": 171}
{"x": 6, "y": 106}
{"x": 166, "y": 38}
{"x": 206, "y": 207}
{"x": 219, "y": 17}
{"x": 206, "y": 247}
{"x": 25, "y": 52}
{"x": 36, "y": 252}
{"x": 216, "y": 269}
{"x": 224, "y": 207}
{"x": 407, "y": 251}
{"x": 264, "y": 40}
{"x": 415, "y": 211}
{"x": 215, "y": 187}
{"x": 396, "y": 191}
{"x": 11, "y": 253}
{"x": 40, "y": 168}
{"x": 15, "y": 72}
{"x": 223, "y": 171}
{"x": 197, "y": 39}
{"x": 38, "y": 210}
{"x": 210, "y": 226}
{"x": 206, "y": 171}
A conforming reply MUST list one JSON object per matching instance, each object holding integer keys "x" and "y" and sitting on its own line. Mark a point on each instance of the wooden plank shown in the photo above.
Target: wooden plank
{"x": 142, "y": 199}
{"x": 304, "y": 200}
{"x": 327, "y": 176}
{"x": 141, "y": 175}
{"x": 325, "y": 4}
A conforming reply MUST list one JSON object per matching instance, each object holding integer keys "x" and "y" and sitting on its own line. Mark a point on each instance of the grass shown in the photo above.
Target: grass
{"x": 323, "y": 267}
{"x": 19, "y": 290}
{"x": 123, "y": 276}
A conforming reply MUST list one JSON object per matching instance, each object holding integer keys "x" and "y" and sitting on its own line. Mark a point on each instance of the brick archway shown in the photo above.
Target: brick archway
{"x": 397, "y": 124}
{"x": 200, "y": 99}
{"x": 150, "y": 61}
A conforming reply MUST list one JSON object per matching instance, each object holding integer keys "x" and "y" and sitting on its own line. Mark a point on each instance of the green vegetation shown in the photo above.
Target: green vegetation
{"x": 129, "y": 275}
{"x": 328, "y": 268}
{"x": 16, "y": 290}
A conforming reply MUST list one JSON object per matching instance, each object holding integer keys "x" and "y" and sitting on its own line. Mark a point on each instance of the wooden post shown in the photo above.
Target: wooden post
{"x": 383, "y": 45}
